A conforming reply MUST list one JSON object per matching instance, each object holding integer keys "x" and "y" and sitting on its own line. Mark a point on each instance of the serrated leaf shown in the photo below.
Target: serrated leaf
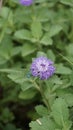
{"x": 60, "y": 112}
{"x": 44, "y": 123}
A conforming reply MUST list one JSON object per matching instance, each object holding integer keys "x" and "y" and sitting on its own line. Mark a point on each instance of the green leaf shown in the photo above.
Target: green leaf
{"x": 69, "y": 49}
{"x": 46, "y": 40}
{"x": 2, "y": 60}
{"x": 67, "y": 2}
{"x": 44, "y": 123}
{"x": 18, "y": 76}
{"x": 22, "y": 17}
{"x": 16, "y": 51}
{"x": 28, "y": 94}
{"x": 71, "y": 77}
{"x": 13, "y": 71}
{"x": 60, "y": 112}
{"x": 23, "y": 34}
{"x": 10, "y": 126}
{"x": 4, "y": 12}
{"x": 67, "y": 95}
{"x": 61, "y": 69}
{"x": 41, "y": 110}
{"x": 40, "y": 53}
{"x": 37, "y": 1}
{"x": 51, "y": 55}
{"x": 5, "y": 49}
{"x": 27, "y": 49}
{"x": 43, "y": 15}
{"x": 68, "y": 125}
{"x": 69, "y": 99}
{"x": 55, "y": 29}
{"x": 56, "y": 80}
{"x": 15, "y": 1}
{"x": 7, "y": 115}
{"x": 36, "y": 30}
{"x": 26, "y": 85}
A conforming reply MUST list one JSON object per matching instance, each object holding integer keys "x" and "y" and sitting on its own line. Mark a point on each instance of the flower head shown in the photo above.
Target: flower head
{"x": 42, "y": 67}
{"x": 26, "y": 2}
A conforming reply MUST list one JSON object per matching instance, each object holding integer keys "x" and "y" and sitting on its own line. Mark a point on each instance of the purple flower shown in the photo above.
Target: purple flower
{"x": 42, "y": 67}
{"x": 26, "y": 2}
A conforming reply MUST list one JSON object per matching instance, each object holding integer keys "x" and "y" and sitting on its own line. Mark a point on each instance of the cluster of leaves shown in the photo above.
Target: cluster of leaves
{"x": 45, "y": 28}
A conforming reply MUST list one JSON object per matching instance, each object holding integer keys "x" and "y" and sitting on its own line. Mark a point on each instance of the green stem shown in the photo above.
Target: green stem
{"x": 45, "y": 99}
{"x": 65, "y": 58}
{"x": 39, "y": 88}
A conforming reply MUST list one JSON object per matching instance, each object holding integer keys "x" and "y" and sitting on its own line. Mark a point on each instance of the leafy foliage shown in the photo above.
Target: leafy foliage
{"x": 43, "y": 29}
{"x": 42, "y": 124}
{"x": 60, "y": 112}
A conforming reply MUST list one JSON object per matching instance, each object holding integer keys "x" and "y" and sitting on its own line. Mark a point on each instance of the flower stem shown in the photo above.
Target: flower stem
{"x": 39, "y": 88}
{"x": 46, "y": 102}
